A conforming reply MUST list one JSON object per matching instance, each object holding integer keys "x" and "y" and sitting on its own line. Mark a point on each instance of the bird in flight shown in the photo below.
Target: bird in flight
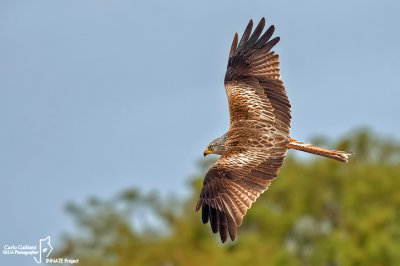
{"x": 255, "y": 145}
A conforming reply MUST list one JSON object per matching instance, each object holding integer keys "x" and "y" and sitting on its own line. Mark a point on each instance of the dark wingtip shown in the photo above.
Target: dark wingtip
{"x": 224, "y": 238}
{"x": 245, "y": 36}
{"x": 265, "y": 37}
{"x": 205, "y": 215}
{"x": 256, "y": 33}
{"x": 268, "y": 46}
{"x": 276, "y": 40}
{"x": 272, "y": 28}
{"x": 248, "y": 29}
{"x": 199, "y": 204}
{"x": 223, "y": 226}
{"x": 234, "y": 45}
{"x": 262, "y": 22}
{"x": 214, "y": 220}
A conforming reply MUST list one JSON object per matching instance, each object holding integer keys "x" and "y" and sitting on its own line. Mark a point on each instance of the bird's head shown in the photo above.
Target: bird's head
{"x": 216, "y": 146}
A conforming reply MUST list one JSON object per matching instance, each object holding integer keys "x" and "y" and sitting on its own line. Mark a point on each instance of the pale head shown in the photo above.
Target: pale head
{"x": 216, "y": 146}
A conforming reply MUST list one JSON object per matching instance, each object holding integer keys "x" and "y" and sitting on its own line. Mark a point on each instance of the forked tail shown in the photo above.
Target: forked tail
{"x": 341, "y": 156}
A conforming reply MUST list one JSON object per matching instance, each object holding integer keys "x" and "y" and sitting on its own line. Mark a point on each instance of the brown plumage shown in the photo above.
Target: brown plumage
{"x": 254, "y": 147}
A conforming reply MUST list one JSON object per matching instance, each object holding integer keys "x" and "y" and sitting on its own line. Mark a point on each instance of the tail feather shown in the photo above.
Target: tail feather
{"x": 341, "y": 156}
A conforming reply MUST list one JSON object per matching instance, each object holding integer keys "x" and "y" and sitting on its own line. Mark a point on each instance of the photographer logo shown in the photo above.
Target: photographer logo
{"x": 40, "y": 253}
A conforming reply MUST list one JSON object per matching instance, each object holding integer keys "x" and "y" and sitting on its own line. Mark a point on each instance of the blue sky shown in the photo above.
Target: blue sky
{"x": 99, "y": 96}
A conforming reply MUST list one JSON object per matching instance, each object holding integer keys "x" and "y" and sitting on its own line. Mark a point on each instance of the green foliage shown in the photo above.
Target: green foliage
{"x": 318, "y": 212}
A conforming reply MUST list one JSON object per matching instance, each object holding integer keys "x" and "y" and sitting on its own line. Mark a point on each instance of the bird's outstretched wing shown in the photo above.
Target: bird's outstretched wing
{"x": 234, "y": 182}
{"x": 252, "y": 79}
{"x": 258, "y": 132}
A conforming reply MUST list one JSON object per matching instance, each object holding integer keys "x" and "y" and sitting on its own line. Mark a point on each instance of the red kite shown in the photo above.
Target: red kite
{"x": 258, "y": 138}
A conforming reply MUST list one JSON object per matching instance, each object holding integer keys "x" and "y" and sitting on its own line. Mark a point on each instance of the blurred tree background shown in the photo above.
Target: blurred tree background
{"x": 317, "y": 212}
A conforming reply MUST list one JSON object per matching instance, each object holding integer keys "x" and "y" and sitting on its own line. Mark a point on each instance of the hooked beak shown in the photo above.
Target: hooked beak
{"x": 206, "y": 151}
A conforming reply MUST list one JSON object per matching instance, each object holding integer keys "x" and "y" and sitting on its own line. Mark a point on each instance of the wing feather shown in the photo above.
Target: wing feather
{"x": 265, "y": 37}
{"x": 234, "y": 45}
{"x": 234, "y": 196}
{"x": 245, "y": 36}
{"x": 257, "y": 32}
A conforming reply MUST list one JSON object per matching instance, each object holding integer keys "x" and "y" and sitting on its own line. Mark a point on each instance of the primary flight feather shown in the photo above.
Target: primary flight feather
{"x": 255, "y": 145}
